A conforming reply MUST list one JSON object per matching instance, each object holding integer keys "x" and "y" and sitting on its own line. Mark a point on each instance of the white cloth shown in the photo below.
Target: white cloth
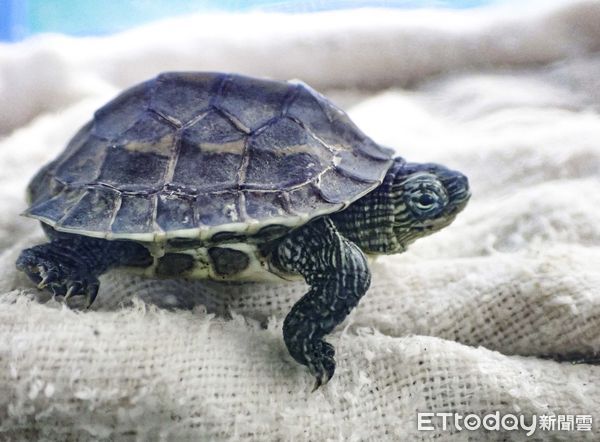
{"x": 461, "y": 322}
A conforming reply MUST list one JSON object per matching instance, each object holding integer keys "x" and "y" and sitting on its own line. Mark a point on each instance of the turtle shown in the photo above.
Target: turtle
{"x": 228, "y": 177}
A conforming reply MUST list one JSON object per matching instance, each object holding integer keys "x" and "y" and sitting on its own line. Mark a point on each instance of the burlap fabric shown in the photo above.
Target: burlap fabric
{"x": 472, "y": 320}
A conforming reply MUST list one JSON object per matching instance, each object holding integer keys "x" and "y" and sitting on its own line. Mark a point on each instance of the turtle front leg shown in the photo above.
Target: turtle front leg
{"x": 71, "y": 264}
{"x": 337, "y": 272}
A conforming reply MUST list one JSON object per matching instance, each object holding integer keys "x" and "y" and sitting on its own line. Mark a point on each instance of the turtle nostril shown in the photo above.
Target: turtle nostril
{"x": 458, "y": 183}
{"x": 458, "y": 188}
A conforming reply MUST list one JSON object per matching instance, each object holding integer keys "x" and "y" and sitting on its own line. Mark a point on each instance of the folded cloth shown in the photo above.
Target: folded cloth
{"x": 498, "y": 313}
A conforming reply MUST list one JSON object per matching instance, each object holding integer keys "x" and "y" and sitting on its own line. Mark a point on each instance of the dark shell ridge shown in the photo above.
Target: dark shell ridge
{"x": 193, "y": 154}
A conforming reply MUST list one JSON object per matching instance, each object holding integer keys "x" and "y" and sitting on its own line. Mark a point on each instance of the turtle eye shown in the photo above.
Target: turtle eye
{"x": 425, "y": 201}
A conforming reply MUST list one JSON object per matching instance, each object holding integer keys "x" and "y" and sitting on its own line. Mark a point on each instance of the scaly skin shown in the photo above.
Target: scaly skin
{"x": 70, "y": 265}
{"x": 337, "y": 272}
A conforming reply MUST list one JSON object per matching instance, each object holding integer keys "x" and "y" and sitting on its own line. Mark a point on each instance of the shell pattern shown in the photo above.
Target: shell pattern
{"x": 188, "y": 155}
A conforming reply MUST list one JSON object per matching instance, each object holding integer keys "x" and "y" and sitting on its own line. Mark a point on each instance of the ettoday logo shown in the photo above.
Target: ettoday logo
{"x": 427, "y": 421}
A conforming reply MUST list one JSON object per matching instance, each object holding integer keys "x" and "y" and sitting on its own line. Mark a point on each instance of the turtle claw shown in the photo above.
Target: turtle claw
{"x": 92, "y": 293}
{"x": 319, "y": 357}
{"x": 73, "y": 289}
{"x": 321, "y": 379}
{"x": 86, "y": 287}
{"x": 323, "y": 364}
{"x": 61, "y": 279}
{"x": 316, "y": 386}
{"x": 320, "y": 382}
{"x": 48, "y": 277}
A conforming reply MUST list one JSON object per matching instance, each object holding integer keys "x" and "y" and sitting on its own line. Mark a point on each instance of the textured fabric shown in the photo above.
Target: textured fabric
{"x": 472, "y": 319}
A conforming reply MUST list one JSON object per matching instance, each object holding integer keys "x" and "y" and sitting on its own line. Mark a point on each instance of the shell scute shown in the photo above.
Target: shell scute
{"x": 124, "y": 111}
{"x": 251, "y": 101}
{"x": 85, "y": 162}
{"x": 337, "y": 188}
{"x": 323, "y": 120}
{"x": 132, "y": 171}
{"x": 205, "y": 170}
{"x": 150, "y": 133}
{"x": 54, "y": 208}
{"x": 182, "y": 96}
{"x": 134, "y": 215}
{"x": 213, "y": 129}
{"x": 356, "y": 165}
{"x": 284, "y": 155}
{"x": 175, "y": 213}
{"x": 284, "y": 171}
{"x": 192, "y": 155}
{"x": 92, "y": 213}
{"x": 307, "y": 201}
{"x": 218, "y": 210}
{"x": 265, "y": 205}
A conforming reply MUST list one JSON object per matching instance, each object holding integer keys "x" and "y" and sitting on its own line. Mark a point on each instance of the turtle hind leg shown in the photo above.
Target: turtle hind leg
{"x": 337, "y": 272}
{"x": 70, "y": 265}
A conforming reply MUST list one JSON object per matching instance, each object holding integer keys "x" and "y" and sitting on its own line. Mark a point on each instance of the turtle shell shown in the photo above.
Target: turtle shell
{"x": 189, "y": 155}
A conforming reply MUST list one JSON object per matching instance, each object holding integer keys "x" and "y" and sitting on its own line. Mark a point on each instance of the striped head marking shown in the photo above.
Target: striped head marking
{"x": 426, "y": 198}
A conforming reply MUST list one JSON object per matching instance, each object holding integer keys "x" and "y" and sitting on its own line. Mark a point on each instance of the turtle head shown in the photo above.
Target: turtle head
{"x": 426, "y": 198}
{"x": 414, "y": 200}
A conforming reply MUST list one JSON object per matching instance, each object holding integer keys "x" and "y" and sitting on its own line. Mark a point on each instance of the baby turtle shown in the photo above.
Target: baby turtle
{"x": 227, "y": 177}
